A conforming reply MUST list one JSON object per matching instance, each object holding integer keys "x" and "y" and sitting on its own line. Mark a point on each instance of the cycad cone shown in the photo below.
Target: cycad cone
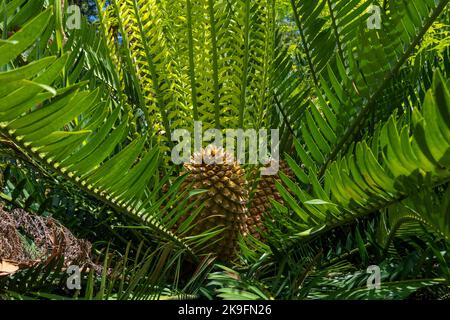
{"x": 260, "y": 203}
{"x": 225, "y": 201}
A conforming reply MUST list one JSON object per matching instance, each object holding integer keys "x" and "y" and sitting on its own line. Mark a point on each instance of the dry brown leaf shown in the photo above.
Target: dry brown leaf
{"x": 8, "y": 267}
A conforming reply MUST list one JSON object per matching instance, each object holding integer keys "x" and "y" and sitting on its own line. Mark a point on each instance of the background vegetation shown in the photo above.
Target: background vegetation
{"x": 364, "y": 119}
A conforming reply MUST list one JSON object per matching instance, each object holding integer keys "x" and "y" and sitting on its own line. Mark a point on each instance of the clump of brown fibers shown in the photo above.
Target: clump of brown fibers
{"x": 27, "y": 240}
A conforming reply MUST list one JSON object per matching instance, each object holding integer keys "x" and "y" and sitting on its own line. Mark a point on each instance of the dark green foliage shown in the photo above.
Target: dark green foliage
{"x": 364, "y": 119}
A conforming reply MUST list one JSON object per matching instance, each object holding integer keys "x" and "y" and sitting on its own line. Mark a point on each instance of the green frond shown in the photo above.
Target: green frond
{"x": 61, "y": 133}
{"x": 403, "y": 159}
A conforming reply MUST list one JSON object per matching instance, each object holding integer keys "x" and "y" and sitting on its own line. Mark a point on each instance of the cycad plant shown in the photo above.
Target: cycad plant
{"x": 360, "y": 97}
